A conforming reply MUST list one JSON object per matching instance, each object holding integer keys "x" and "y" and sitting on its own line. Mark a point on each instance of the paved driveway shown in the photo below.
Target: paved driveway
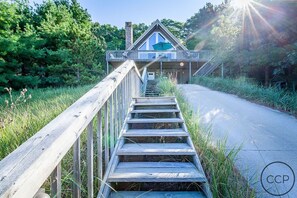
{"x": 266, "y": 136}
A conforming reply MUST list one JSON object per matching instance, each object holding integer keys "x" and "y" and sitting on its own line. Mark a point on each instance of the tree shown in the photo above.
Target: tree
{"x": 175, "y": 27}
{"x": 197, "y": 29}
{"x": 51, "y": 45}
{"x": 138, "y": 30}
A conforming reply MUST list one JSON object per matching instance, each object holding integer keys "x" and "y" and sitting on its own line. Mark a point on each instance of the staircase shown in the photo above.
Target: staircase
{"x": 154, "y": 156}
{"x": 207, "y": 68}
{"x": 151, "y": 89}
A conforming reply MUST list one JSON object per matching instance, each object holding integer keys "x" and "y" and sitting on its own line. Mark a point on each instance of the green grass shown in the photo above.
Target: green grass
{"x": 271, "y": 96}
{"x": 218, "y": 163}
{"x": 29, "y": 117}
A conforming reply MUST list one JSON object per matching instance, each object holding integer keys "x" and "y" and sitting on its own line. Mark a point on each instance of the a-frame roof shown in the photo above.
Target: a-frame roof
{"x": 157, "y": 26}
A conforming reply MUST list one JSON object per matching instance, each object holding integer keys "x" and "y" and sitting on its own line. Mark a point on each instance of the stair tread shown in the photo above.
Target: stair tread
{"x": 154, "y": 103}
{"x": 154, "y": 132}
{"x": 154, "y": 120}
{"x": 157, "y": 194}
{"x": 161, "y": 97}
{"x": 155, "y": 111}
{"x": 156, "y": 172}
{"x": 156, "y": 149}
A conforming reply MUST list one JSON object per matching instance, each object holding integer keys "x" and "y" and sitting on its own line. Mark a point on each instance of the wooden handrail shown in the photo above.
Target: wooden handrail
{"x": 25, "y": 170}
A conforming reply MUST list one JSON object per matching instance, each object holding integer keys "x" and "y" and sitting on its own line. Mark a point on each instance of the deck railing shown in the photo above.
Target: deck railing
{"x": 150, "y": 55}
{"x": 99, "y": 113}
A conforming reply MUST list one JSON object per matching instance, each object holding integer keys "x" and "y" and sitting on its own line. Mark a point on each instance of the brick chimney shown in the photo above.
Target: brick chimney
{"x": 129, "y": 34}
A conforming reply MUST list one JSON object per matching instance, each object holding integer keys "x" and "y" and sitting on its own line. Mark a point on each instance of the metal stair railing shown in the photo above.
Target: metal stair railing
{"x": 207, "y": 68}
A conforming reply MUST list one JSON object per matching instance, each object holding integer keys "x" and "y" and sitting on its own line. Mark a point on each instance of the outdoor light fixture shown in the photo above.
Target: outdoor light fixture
{"x": 181, "y": 64}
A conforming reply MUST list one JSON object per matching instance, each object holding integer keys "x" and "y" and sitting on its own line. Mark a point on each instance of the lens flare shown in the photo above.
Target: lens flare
{"x": 240, "y": 4}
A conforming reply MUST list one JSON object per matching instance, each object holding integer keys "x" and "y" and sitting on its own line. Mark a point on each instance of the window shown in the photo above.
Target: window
{"x": 152, "y": 41}
{"x": 143, "y": 47}
{"x": 155, "y": 38}
{"x": 160, "y": 38}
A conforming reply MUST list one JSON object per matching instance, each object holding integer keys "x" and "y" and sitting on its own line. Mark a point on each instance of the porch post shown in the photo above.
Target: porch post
{"x": 107, "y": 68}
{"x": 190, "y": 72}
{"x": 222, "y": 70}
{"x": 161, "y": 68}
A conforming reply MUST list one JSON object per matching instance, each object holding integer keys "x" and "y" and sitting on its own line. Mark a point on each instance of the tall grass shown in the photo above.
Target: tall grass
{"x": 270, "y": 96}
{"x": 29, "y": 117}
{"x": 218, "y": 163}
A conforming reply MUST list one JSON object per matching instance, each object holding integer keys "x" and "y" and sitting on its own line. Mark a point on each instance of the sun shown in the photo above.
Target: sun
{"x": 240, "y": 4}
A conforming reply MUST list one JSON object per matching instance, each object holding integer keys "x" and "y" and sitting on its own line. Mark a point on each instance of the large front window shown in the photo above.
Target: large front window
{"x": 148, "y": 45}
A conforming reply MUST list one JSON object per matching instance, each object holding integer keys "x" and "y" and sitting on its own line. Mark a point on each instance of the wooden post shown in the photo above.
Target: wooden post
{"x": 106, "y": 142}
{"x": 99, "y": 147}
{"x": 76, "y": 191}
{"x": 111, "y": 122}
{"x": 56, "y": 182}
{"x": 123, "y": 99}
{"x": 119, "y": 109}
{"x": 107, "y": 68}
{"x": 161, "y": 68}
{"x": 190, "y": 72}
{"x": 126, "y": 94}
{"x": 116, "y": 114}
{"x": 222, "y": 70}
{"x": 128, "y": 90}
{"x": 90, "y": 161}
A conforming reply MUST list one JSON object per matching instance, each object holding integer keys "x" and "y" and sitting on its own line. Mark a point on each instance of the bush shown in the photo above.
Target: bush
{"x": 271, "y": 96}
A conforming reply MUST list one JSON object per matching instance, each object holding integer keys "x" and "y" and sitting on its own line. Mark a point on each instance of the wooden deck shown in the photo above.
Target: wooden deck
{"x": 154, "y": 156}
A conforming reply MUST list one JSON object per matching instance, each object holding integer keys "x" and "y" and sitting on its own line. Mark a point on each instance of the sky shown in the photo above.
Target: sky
{"x": 117, "y": 12}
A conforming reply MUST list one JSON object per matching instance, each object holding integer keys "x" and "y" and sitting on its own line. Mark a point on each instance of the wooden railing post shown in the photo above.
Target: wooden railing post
{"x": 106, "y": 142}
{"x": 129, "y": 90}
{"x": 123, "y": 101}
{"x": 56, "y": 182}
{"x": 99, "y": 147}
{"x": 118, "y": 111}
{"x": 90, "y": 161}
{"x": 76, "y": 191}
{"x": 111, "y": 122}
{"x": 125, "y": 98}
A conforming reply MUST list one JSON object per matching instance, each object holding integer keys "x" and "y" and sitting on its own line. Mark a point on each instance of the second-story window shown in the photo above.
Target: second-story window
{"x": 155, "y": 38}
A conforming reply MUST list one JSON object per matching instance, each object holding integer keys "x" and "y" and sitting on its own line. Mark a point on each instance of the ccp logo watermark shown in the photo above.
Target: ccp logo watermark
{"x": 277, "y": 178}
